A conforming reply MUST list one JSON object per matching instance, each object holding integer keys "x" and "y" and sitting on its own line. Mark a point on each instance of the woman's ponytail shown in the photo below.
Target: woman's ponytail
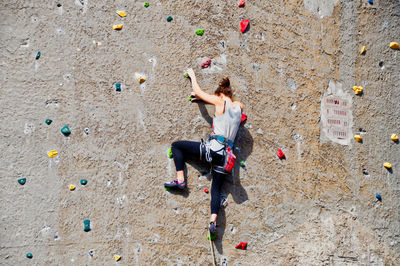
{"x": 225, "y": 88}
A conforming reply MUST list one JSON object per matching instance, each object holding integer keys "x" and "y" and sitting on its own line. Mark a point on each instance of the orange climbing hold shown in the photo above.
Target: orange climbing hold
{"x": 394, "y": 45}
{"x": 243, "y": 25}
{"x": 241, "y": 3}
{"x": 121, "y": 13}
{"x": 118, "y": 27}
{"x": 358, "y": 138}
{"x": 387, "y": 165}
{"x": 357, "y": 90}
{"x": 52, "y": 153}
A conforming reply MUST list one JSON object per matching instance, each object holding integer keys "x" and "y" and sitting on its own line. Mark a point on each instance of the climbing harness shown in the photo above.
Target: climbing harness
{"x": 227, "y": 152}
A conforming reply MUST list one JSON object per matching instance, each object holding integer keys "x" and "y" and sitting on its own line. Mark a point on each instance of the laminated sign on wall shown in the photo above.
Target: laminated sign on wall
{"x": 336, "y": 115}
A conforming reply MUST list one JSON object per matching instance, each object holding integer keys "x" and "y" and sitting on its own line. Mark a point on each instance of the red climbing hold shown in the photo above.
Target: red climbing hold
{"x": 241, "y": 3}
{"x": 242, "y": 245}
{"x": 206, "y": 63}
{"x": 205, "y": 190}
{"x": 244, "y": 119}
{"x": 243, "y": 25}
{"x": 280, "y": 154}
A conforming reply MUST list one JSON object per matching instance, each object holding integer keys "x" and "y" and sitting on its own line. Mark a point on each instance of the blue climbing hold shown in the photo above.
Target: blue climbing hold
{"x": 378, "y": 197}
{"x": 118, "y": 86}
{"x": 371, "y": 2}
{"x": 22, "y": 181}
{"x": 66, "y": 131}
{"x": 86, "y": 225}
{"x": 29, "y": 255}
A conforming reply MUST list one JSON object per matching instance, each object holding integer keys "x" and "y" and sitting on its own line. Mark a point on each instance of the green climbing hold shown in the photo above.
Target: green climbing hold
{"x": 86, "y": 225}
{"x": 200, "y": 32}
{"x": 66, "y": 131}
{"x": 166, "y": 188}
{"x": 169, "y": 154}
{"x": 146, "y": 4}
{"x": 22, "y": 181}
{"x": 29, "y": 255}
{"x": 83, "y": 182}
{"x": 48, "y": 121}
{"x": 118, "y": 86}
{"x": 186, "y": 75}
{"x": 242, "y": 164}
{"x": 190, "y": 98}
{"x": 212, "y": 236}
{"x": 169, "y": 19}
{"x": 37, "y": 55}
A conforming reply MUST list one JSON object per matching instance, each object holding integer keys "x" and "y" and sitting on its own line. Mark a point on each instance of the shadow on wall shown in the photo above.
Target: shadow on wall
{"x": 232, "y": 185}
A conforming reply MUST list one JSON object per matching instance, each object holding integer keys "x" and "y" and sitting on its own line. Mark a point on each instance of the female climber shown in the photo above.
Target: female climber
{"x": 218, "y": 149}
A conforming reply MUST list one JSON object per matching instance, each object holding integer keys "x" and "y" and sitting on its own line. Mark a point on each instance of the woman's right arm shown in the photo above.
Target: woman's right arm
{"x": 212, "y": 99}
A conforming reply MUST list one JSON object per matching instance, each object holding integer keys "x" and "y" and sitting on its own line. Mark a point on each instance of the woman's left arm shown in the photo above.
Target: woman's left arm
{"x": 199, "y": 92}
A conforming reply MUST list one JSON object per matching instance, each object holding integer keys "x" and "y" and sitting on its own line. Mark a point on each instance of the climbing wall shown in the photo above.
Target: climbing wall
{"x": 330, "y": 201}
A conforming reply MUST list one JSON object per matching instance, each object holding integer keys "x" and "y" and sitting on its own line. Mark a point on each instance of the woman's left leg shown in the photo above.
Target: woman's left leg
{"x": 218, "y": 180}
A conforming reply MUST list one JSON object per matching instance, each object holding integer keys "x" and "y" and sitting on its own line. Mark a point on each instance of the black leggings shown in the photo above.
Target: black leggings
{"x": 182, "y": 150}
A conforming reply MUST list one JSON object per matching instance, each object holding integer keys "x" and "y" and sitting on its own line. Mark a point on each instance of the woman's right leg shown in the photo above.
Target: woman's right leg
{"x": 181, "y": 150}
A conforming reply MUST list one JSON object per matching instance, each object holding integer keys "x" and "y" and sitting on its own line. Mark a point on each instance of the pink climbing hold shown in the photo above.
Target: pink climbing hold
{"x": 280, "y": 154}
{"x": 206, "y": 63}
{"x": 243, "y": 25}
{"x": 241, "y": 3}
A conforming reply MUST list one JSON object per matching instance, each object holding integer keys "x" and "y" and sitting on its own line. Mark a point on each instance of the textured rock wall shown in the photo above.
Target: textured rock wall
{"x": 317, "y": 207}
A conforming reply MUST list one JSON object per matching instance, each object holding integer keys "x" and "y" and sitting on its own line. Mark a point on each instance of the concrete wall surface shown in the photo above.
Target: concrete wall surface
{"x": 316, "y": 207}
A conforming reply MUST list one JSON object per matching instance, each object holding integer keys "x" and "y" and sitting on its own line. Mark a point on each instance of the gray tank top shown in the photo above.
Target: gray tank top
{"x": 226, "y": 125}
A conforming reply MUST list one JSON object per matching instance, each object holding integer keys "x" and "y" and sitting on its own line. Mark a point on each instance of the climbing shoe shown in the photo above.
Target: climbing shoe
{"x": 175, "y": 184}
{"x": 212, "y": 228}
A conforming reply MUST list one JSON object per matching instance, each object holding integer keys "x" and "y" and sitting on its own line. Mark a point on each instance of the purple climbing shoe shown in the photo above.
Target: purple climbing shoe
{"x": 175, "y": 184}
{"x": 212, "y": 228}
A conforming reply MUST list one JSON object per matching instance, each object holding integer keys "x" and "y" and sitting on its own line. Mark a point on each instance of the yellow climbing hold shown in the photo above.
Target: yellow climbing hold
{"x": 358, "y": 138}
{"x": 387, "y": 165}
{"x": 394, "y": 137}
{"x": 140, "y": 78}
{"x": 121, "y": 13}
{"x": 52, "y": 153}
{"x": 394, "y": 45}
{"x": 363, "y": 50}
{"x": 117, "y": 27}
{"x": 117, "y": 258}
{"x": 72, "y": 187}
{"x": 357, "y": 89}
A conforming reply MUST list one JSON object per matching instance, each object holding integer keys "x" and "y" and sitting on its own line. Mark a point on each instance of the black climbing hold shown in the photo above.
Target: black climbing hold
{"x": 83, "y": 182}
{"x": 169, "y": 19}
{"x": 58, "y": 5}
{"x": 48, "y": 121}
{"x": 29, "y": 255}
{"x": 381, "y": 63}
{"x": 22, "y": 181}
{"x": 37, "y": 55}
{"x": 118, "y": 86}
{"x": 378, "y": 197}
{"x": 66, "y": 131}
{"x": 86, "y": 225}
